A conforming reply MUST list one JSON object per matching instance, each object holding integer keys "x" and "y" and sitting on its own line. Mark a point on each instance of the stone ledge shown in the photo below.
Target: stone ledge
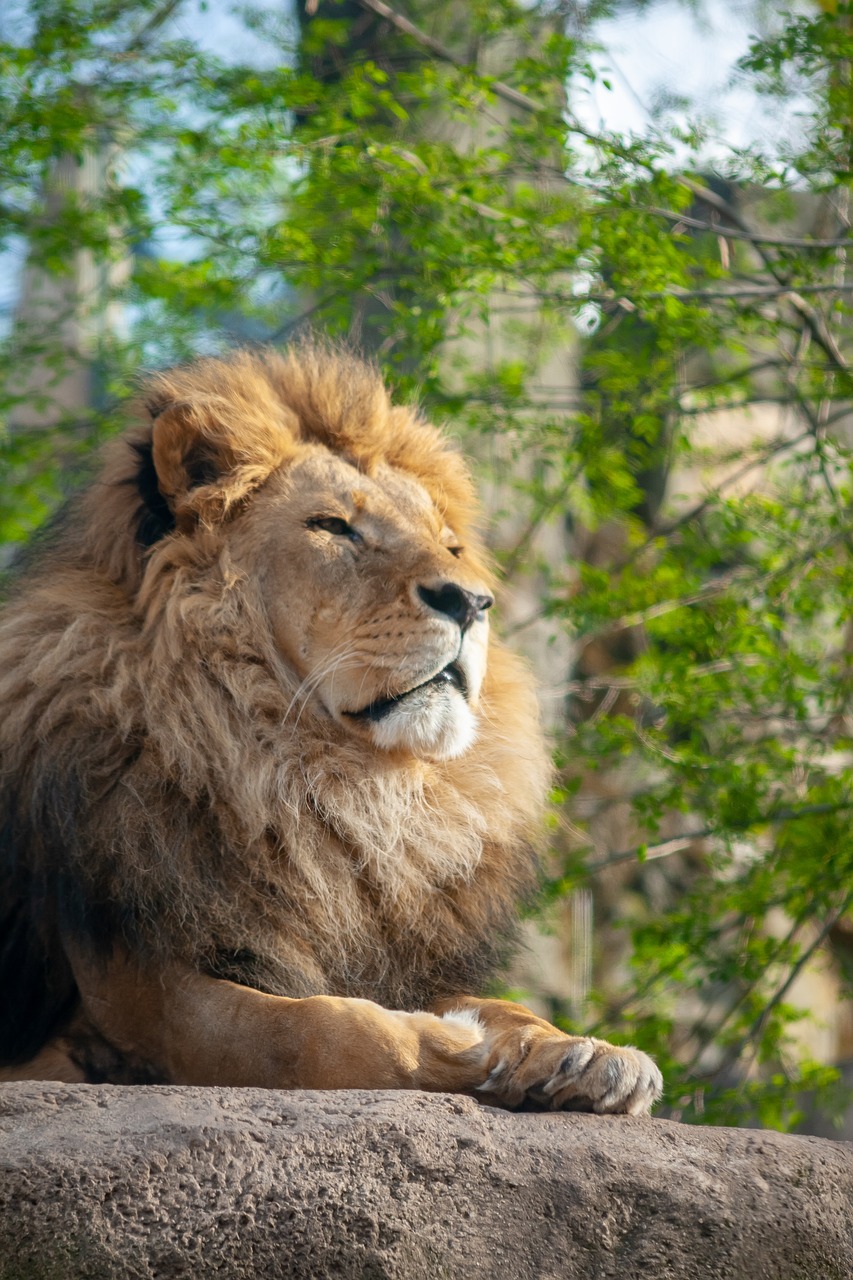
{"x": 101, "y": 1182}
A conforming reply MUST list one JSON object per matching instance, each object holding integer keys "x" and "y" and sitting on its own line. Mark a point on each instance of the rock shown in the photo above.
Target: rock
{"x": 102, "y": 1182}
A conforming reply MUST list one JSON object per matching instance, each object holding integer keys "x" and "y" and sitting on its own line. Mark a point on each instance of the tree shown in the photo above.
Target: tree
{"x": 421, "y": 172}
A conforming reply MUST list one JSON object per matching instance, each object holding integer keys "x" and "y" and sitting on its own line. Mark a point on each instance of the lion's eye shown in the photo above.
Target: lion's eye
{"x": 334, "y": 525}
{"x": 456, "y": 551}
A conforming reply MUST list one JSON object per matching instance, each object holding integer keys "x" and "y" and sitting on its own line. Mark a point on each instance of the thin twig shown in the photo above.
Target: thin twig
{"x": 675, "y": 843}
{"x": 709, "y": 1028}
{"x": 157, "y": 19}
{"x": 754, "y": 237}
{"x": 755, "y": 1031}
{"x": 748, "y": 291}
{"x": 595, "y": 683}
{"x": 780, "y": 445}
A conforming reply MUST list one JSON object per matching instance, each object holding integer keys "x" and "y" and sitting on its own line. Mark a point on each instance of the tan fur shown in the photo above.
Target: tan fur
{"x": 245, "y": 804}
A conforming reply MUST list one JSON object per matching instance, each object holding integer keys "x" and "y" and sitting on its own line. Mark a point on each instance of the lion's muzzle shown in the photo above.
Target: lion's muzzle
{"x": 452, "y": 675}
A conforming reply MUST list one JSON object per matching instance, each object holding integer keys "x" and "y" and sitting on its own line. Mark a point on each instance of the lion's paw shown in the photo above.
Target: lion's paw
{"x": 601, "y": 1077}
{"x": 566, "y": 1073}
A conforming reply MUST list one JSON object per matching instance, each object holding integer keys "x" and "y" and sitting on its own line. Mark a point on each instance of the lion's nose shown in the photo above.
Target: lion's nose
{"x": 455, "y": 602}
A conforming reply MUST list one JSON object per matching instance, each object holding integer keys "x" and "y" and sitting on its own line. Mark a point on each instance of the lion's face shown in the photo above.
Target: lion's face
{"x": 371, "y": 601}
{"x": 339, "y": 508}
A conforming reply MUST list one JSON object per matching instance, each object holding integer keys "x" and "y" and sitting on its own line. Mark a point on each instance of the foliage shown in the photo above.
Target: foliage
{"x": 398, "y": 190}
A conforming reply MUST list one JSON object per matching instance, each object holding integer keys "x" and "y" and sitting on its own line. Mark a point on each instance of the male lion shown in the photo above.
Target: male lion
{"x": 268, "y": 790}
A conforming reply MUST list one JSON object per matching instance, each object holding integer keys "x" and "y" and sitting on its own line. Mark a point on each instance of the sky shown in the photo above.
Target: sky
{"x": 669, "y": 49}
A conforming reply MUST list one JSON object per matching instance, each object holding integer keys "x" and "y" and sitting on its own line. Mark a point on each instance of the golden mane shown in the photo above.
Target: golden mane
{"x": 167, "y": 786}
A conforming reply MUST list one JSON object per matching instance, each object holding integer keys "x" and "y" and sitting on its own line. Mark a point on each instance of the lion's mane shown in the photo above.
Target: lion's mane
{"x": 164, "y": 786}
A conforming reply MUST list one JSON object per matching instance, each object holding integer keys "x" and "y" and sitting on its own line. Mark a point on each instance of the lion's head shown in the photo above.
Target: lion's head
{"x": 354, "y": 520}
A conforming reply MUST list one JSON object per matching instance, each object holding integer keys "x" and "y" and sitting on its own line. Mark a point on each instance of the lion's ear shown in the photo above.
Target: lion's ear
{"x": 210, "y": 452}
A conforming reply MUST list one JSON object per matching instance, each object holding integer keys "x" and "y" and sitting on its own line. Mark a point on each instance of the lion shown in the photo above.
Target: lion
{"x": 270, "y": 791}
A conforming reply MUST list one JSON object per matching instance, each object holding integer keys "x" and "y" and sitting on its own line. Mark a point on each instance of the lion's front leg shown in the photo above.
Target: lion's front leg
{"x": 529, "y": 1061}
{"x": 184, "y": 1027}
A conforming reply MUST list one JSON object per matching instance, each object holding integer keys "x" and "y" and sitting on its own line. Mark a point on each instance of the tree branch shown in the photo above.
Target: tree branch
{"x": 812, "y": 319}
{"x": 157, "y": 19}
{"x": 754, "y": 237}
{"x": 440, "y": 50}
{"x": 676, "y": 843}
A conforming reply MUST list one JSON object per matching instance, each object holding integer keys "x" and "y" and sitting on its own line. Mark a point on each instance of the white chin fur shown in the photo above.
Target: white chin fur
{"x": 436, "y": 723}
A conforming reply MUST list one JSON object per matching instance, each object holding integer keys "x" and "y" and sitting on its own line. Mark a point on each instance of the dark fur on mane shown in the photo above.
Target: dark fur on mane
{"x": 155, "y": 519}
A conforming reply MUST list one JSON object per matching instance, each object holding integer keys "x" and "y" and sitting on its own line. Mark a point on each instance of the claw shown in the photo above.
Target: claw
{"x": 491, "y": 1081}
{"x": 572, "y": 1066}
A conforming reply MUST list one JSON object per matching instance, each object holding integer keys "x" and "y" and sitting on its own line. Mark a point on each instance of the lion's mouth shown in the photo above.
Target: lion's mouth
{"x": 452, "y": 675}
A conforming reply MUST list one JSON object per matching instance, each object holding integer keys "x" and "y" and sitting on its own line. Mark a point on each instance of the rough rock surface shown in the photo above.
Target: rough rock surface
{"x": 102, "y": 1182}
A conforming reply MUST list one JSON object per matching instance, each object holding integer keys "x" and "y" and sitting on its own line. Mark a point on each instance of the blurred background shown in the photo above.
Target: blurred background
{"x": 607, "y": 245}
